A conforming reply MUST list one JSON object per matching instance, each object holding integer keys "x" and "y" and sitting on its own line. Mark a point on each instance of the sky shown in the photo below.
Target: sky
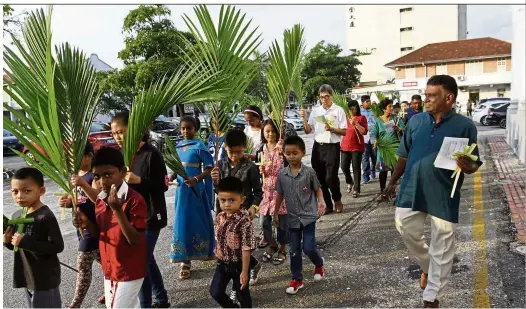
{"x": 98, "y": 28}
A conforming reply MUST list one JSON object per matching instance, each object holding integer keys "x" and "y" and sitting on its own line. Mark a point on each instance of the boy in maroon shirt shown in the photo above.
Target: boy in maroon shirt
{"x": 121, "y": 216}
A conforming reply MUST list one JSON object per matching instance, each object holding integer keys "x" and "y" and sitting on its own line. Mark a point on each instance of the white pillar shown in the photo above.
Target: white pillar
{"x": 516, "y": 117}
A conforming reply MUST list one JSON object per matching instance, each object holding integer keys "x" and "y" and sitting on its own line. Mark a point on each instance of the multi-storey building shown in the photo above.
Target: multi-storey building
{"x": 482, "y": 68}
{"x": 388, "y": 32}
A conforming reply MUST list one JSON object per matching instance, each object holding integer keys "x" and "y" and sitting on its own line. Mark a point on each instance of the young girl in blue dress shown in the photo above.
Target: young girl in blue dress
{"x": 193, "y": 229}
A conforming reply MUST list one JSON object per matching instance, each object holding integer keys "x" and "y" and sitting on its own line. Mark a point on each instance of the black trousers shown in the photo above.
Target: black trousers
{"x": 326, "y": 162}
{"x": 224, "y": 273}
{"x": 353, "y": 158}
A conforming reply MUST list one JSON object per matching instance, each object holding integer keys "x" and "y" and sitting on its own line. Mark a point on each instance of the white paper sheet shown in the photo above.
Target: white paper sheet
{"x": 450, "y": 145}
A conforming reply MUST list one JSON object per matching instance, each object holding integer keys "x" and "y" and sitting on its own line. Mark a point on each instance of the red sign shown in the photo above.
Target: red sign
{"x": 410, "y": 84}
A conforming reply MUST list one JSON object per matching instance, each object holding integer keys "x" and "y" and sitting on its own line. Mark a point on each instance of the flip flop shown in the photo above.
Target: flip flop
{"x": 278, "y": 260}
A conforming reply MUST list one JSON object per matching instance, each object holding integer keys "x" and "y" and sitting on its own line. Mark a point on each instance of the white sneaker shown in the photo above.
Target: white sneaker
{"x": 349, "y": 188}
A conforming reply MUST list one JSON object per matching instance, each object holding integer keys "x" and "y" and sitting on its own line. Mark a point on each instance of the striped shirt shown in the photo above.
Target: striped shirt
{"x": 299, "y": 192}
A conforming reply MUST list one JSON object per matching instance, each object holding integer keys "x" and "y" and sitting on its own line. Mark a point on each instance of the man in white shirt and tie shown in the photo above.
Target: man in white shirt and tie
{"x": 325, "y": 157}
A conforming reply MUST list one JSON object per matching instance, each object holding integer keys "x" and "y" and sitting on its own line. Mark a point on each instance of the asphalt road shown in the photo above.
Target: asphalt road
{"x": 367, "y": 264}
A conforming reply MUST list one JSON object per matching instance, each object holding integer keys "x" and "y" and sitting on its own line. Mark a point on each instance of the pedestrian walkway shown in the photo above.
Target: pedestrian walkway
{"x": 511, "y": 174}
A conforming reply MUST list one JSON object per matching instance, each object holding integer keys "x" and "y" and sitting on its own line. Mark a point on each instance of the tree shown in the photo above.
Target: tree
{"x": 12, "y": 23}
{"x": 153, "y": 48}
{"x": 258, "y": 87}
{"x": 323, "y": 65}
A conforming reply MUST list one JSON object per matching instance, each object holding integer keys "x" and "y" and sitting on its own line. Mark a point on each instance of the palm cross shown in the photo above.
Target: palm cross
{"x": 402, "y": 113}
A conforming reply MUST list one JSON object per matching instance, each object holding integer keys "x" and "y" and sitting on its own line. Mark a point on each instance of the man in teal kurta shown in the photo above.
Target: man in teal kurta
{"x": 426, "y": 190}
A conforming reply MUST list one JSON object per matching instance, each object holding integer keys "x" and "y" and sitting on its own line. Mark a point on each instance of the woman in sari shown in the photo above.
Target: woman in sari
{"x": 387, "y": 123}
{"x": 193, "y": 229}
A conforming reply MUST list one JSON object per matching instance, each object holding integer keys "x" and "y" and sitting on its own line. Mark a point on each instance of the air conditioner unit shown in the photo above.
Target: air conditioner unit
{"x": 461, "y": 78}
{"x": 354, "y": 96}
{"x": 420, "y": 91}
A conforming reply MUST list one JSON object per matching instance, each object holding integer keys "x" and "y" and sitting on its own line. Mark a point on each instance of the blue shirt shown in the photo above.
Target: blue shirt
{"x": 410, "y": 113}
{"x": 424, "y": 187}
{"x": 90, "y": 242}
{"x": 370, "y": 121}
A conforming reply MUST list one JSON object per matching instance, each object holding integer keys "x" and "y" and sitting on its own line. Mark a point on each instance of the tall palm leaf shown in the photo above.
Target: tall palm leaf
{"x": 283, "y": 75}
{"x": 341, "y": 101}
{"x": 58, "y": 98}
{"x": 173, "y": 161}
{"x": 188, "y": 84}
{"x": 387, "y": 145}
{"x": 225, "y": 49}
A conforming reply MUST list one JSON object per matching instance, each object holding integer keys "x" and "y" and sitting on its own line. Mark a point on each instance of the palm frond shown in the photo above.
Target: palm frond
{"x": 58, "y": 97}
{"x": 250, "y": 146}
{"x": 173, "y": 161}
{"x": 341, "y": 101}
{"x": 225, "y": 49}
{"x": 376, "y": 110}
{"x": 380, "y": 96}
{"x": 387, "y": 146}
{"x": 283, "y": 75}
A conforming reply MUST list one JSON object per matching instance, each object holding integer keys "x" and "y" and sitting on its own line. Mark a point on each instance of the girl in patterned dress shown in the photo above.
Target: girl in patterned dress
{"x": 272, "y": 161}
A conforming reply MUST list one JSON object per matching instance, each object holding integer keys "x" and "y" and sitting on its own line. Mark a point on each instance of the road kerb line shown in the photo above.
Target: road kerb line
{"x": 480, "y": 276}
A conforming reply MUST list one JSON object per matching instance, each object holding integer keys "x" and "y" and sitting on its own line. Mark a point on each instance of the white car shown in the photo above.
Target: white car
{"x": 481, "y": 111}
{"x": 293, "y": 117}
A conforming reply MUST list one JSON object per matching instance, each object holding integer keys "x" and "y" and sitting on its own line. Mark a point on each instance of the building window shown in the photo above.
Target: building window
{"x": 500, "y": 93}
{"x": 410, "y": 72}
{"x": 474, "y": 67}
{"x": 501, "y": 64}
{"x": 441, "y": 69}
{"x": 406, "y": 9}
{"x": 406, "y": 48}
{"x": 406, "y": 29}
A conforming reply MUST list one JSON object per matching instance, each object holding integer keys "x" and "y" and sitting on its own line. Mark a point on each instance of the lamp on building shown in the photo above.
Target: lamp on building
{"x": 397, "y": 69}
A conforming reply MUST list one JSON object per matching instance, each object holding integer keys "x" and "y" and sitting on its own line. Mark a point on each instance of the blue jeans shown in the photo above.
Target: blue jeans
{"x": 369, "y": 156}
{"x": 154, "y": 280}
{"x": 308, "y": 233}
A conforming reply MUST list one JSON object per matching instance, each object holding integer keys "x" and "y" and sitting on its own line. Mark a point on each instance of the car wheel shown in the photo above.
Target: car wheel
{"x": 502, "y": 123}
{"x": 484, "y": 121}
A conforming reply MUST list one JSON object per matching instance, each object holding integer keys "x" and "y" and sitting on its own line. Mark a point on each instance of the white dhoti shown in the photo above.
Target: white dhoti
{"x": 435, "y": 260}
{"x": 122, "y": 294}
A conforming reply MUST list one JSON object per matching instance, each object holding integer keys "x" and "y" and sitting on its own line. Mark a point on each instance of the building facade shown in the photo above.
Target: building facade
{"x": 516, "y": 118}
{"x": 388, "y": 32}
{"x": 482, "y": 68}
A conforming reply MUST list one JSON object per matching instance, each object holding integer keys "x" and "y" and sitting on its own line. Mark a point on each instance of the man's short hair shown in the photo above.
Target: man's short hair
{"x": 447, "y": 82}
{"x": 230, "y": 184}
{"x": 235, "y": 138}
{"x": 326, "y": 88}
{"x": 416, "y": 97}
{"x": 31, "y": 173}
{"x": 295, "y": 140}
{"x": 365, "y": 98}
{"x": 108, "y": 156}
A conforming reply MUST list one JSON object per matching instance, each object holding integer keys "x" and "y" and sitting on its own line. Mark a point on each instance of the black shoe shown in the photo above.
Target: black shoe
{"x": 157, "y": 305}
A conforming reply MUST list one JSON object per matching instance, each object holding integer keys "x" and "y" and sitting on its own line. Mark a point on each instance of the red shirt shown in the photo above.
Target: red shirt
{"x": 353, "y": 140}
{"x": 121, "y": 261}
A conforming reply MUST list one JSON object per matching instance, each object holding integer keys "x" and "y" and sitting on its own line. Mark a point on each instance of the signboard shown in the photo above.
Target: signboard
{"x": 410, "y": 84}
{"x": 188, "y": 108}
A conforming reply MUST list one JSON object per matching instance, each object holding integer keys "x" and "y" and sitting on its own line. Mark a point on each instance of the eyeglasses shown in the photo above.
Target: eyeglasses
{"x": 324, "y": 96}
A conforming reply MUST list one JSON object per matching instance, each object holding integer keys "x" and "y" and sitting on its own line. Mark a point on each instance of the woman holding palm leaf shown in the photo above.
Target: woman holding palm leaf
{"x": 385, "y": 136}
{"x": 193, "y": 232}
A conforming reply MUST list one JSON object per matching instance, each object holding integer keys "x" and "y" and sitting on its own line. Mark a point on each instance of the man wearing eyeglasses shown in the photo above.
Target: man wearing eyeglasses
{"x": 328, "y": 121}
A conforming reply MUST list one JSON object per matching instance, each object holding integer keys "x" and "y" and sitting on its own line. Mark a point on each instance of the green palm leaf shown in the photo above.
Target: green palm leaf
{"x": 376, "y": 110}
{"x": 341, "y": 101}
{"x": 224, "y": 49}
{"x": 173, "y": 161}
{"x": 283, "y": 75}
{"x": 58, "y": 98}
{"x": 387, "y": 146}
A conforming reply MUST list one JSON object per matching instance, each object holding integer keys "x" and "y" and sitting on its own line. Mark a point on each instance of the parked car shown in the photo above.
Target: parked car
{"x": 481, "y": 111}
{"x": 11, "y": 142}
{"x": 493, "y": 100}
{"x": 160, "y": 129}
{"x": 497, "y": 116}
{"x": 293, "y": 117}
{"x": 100, "y": 136}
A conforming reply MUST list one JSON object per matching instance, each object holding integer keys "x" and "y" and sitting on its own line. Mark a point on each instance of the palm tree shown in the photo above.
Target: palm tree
{"x": 283, "y": 75}
{"x": 226, "y": 50}
{"x": 58, "y": 96}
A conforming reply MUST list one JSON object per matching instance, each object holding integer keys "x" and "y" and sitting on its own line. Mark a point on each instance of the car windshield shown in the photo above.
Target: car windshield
{"x": 7, "y": 133}
{"x": 163, "y": 125}
{"x": 163, "y": 118}
{"x": 292, "y": 114}
{"x": 99, "y": 127}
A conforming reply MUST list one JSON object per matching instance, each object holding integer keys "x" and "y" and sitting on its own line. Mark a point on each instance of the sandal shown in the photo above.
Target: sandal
{"x": 184, "y": 272}
{"x": 278, "y": 260}
{"x": 268, "y": 256}
{"x": 262, "y": 244}
{"x": 355, "y": 194}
